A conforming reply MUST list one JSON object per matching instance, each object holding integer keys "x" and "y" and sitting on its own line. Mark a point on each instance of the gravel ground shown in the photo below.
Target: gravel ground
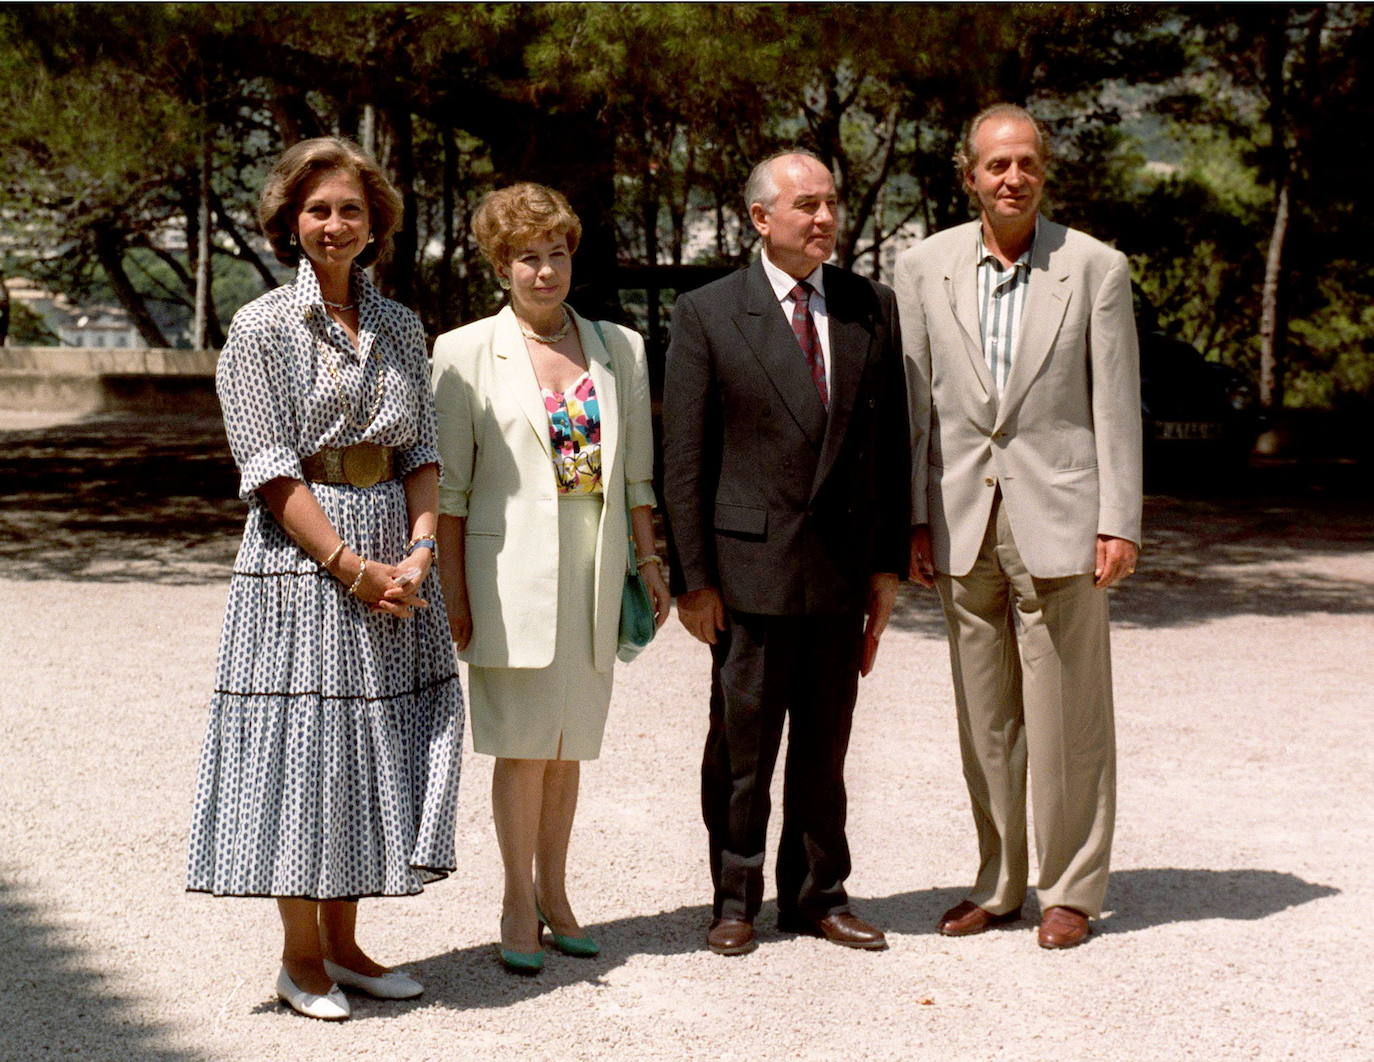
{"x": 1243, "y": 856}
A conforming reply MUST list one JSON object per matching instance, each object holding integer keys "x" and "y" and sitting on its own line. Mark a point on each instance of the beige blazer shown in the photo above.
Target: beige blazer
{"x": 498, "y": 473}
{"x": 1063, "y": 441}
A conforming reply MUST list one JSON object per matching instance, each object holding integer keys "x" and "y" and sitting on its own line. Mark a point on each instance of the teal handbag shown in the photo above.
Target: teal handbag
{"x": 636, "y": 614}
{"x": 637, "y": 628}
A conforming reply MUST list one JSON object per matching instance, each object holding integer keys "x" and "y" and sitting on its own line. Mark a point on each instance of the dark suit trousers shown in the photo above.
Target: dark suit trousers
{"x": 765, "y": 668}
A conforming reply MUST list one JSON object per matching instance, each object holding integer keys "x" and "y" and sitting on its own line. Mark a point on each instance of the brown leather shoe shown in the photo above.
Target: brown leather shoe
{"x": 1063, "y": 927}
{"x": 967, "y": 918}
{"x": 731, "y": 936}
{"x": 843, "y": 928}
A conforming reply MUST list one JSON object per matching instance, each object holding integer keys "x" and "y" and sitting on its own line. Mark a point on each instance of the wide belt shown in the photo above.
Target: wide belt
{"x": 360, "y": 465}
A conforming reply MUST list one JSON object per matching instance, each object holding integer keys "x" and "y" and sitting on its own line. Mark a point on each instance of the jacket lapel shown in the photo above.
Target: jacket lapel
{"x": 771, "y": 341}
{"x": 513, "y": 369}
{"x": 961, "y": 286}
{"x": 601, "y": 365}
{"x": 850, "y": 337}
{"x": 1046, "y": 303}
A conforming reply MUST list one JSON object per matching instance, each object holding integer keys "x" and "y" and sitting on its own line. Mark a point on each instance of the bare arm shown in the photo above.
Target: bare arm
{"x": 422, "y": 500}
{"x": 642, "y": 528}
{"x": 453, "y": 577}
{"x": 300, "y": 515}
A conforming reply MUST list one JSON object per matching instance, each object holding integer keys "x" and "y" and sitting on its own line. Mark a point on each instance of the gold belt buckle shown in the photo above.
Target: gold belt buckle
{"x": 364, "y": 464}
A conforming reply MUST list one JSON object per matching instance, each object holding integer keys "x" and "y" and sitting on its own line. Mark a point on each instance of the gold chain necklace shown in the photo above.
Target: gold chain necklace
{"x": 330, "y": 357}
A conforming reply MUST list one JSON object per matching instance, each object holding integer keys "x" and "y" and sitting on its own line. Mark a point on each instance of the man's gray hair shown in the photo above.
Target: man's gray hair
{"x": 965, "y": 157}
{"x": 762, "y": 186}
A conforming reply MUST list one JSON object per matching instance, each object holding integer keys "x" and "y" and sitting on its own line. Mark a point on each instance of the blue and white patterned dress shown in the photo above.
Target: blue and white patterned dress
{"x": 330, "y": 765}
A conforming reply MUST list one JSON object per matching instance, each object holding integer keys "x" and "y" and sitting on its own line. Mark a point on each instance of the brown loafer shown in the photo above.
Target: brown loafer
{"x": 1063, "y": 927}
{"x": 847, "y": 930}
{"x": 731, "y": 936}
{"x": 967, "y": 918}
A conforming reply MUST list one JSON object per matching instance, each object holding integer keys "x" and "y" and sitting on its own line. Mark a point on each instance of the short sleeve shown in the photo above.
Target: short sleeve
{"x": 639, "y": 435}
{"x": 254, "y": 388}
{"x": 457, "y": 437}
{"x": 415, "y": 363}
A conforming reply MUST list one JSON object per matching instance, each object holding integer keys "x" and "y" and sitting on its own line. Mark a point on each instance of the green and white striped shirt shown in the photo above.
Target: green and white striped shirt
{"x": 1001, "y": 303}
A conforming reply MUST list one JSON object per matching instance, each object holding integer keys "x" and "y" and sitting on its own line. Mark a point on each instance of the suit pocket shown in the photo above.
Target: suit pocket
{"x": 741, "y": 519}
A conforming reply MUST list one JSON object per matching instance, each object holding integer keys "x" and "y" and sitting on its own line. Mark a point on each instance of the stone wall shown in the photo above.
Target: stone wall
{"x": 101, "y": 380}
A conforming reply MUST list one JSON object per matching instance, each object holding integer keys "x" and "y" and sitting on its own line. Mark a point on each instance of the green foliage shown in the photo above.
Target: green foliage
{"x": 28, "y": 329}
{"x": 1172, "y": 127}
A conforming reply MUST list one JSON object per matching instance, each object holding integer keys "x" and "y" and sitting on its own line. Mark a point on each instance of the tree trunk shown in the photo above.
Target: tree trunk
{"x": 443, "y": 317}
{"x": 396, "y": 273}
{"x": 110, "y": 253}
{"x": 4, "y": 313}
{"x": 679, "y": 199}
{"x": 246, "y": 252}
{"x": 649, "y": 211}
{"x": 200, "y": 331}
{"x": 1271, "y": 332}
{"x": 367, "y": 130}
{"x": 1283, "y": 152}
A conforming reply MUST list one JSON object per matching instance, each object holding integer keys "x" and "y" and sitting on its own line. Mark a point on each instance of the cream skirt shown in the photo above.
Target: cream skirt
{"x": 559, "y": 711}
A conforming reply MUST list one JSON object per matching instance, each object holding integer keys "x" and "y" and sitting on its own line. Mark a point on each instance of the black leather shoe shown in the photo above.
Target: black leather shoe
{"x": 731, "y": 936}
{"x": 843, "y": 928}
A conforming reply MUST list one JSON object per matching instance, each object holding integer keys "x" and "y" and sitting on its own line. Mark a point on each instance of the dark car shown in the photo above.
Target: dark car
{"x": 1199, "y": 416}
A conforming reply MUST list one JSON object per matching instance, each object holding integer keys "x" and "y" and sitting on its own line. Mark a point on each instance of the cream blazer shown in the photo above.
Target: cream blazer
{"x": 1063, "y": 441}
{"x": 498, "y": 473}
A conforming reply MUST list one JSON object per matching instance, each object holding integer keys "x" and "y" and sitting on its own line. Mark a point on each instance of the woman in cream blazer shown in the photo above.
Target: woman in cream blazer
{"x": 545, "y": 434}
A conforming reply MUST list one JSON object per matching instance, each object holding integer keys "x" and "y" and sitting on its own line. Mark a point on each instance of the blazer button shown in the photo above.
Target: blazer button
{"x": 990, "y": 482}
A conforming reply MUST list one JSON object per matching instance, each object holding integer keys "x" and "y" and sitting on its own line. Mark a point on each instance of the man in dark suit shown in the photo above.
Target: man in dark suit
{"x": 786, "y": 474}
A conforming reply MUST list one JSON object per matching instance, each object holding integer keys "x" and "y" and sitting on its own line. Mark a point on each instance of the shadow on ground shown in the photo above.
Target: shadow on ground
{"x": 1207, "y": 558}
{"x": 56, "y": 1005}
{"x": 1140, "y": 899}
{"x": 118, "y": 497}
{"x": 114, "y": 498}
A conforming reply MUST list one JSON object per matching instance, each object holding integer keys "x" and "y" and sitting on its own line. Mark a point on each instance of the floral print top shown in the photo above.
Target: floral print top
{"x": 575, "y": 432}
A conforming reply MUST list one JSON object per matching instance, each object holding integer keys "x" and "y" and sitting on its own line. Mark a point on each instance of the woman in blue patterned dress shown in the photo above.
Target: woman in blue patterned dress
{"x": 330, "y": 765}
{"x": 548, "y": 451}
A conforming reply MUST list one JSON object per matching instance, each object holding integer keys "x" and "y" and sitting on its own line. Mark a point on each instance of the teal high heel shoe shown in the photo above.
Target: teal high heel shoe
{"x": 527, "y": 963}
{"x": 578, "y": 947}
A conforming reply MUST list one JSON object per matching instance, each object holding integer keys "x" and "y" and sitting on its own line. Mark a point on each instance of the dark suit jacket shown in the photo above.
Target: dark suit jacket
{"x": 783, "y": 508}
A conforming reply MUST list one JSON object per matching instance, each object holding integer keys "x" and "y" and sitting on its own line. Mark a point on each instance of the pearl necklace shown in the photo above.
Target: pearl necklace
{"x": 552, "y": 337}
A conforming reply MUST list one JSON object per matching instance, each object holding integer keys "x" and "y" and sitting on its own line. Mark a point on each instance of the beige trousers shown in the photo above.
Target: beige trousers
{"x": 1033, "y": 688}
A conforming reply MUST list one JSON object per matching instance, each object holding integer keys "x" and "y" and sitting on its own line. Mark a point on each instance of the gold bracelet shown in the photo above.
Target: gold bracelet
{"x": 362, "y": 568}
{"x": 335, "y": 555}
{"x": 652, "y": 558}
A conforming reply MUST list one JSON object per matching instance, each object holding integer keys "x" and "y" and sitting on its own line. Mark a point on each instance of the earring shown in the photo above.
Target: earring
{"x": 371, "y": 237}
{"x": 505, "y": 284}
{"x": 292, "y": 240}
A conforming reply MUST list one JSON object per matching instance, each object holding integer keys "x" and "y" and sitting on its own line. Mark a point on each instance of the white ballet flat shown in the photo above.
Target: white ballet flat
{"x": 391, "y": 985}
{"x": 332, "y": 1006}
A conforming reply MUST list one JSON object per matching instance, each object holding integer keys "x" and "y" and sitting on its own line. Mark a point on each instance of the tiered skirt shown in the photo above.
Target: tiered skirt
{"x": 331, "y": 759}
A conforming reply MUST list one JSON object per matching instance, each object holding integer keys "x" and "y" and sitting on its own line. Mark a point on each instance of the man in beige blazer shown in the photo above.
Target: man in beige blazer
{"x": 1024, "y": 383}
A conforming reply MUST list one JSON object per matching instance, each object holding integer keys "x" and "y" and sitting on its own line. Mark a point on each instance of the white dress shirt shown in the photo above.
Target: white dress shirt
{"x": 783, "y": 283}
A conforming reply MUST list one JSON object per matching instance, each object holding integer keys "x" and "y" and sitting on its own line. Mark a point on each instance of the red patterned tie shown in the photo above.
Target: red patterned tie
{"x": 804, "y": 327}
